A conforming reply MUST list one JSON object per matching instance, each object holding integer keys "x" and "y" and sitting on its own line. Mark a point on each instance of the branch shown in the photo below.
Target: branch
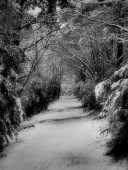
{"x": 16, "y": 7}
{"x": 117, "y": 26}
{"x": 33, "y": 44}
{"x": 68, "y": 52}
{"x": 37, "y": 22}
{"x": 83, "y": 64}
{"x": 105, "y": 23}
{"x": 36, "y": 62}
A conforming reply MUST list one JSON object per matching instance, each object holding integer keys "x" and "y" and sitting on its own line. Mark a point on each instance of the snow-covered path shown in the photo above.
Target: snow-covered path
{"x": 63, "y": 139}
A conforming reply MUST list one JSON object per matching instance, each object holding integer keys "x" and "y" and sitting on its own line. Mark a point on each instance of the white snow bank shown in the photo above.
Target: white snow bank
{"x": 18, "y": 108}
{"x": 121, "y": 73}
{"x": 111, "y": 91}
{"x": 101, "y": 90}
{"x": 111, "y": 103}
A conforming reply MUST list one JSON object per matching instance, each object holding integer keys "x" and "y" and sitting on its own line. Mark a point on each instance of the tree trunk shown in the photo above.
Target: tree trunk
{"x": 121, "y": 23}
{"x": 119, "y": 54}
{"x": 16, "y": 41}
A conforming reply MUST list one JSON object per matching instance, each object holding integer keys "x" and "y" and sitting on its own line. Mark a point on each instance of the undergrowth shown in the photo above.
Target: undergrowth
{"x": 40, "y": 95}
{"x": 118, "y": 144}
{"x": 85, "y": 92}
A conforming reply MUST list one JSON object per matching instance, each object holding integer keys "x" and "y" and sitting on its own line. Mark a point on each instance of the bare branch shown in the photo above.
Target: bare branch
{"x": 105, "y": 23}
{"x": 69, "y": 53}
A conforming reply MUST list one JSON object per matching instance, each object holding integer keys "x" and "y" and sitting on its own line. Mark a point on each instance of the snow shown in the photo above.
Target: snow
{"x": 67, "y": 144}
{"x": 112, "y": 90}
{"x": 34, "y": 11}
{"x": 121, "y": 72}
{"x": 111, "y": 104}
{"x": 18, "y": 108}
{"x": 101, "y": 90}
{"x": 124, "y": 83}
{"x": 115, "y": 85}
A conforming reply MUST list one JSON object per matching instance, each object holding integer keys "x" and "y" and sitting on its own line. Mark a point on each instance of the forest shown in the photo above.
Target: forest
{"x": 51, "y": 48}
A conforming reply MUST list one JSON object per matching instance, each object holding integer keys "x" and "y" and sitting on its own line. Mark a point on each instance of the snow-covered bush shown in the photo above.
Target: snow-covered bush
{"x": 85, "y": 92}
{"x": 112, "y": 90}
{"x": 11, "y": 115}
{"x": 11, "y": 112}
{"x": 118, "y": 145}
{"x": 40, "y": 94}
{"x": 115, "y": 108}
{"x": 101, "y": 90}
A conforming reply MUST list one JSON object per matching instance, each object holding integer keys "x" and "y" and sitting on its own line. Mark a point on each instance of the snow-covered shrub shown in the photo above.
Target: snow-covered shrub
{"x": 101, "y": 90}
{"x": 40, "y": 94}
{"x": 11, "y": 62}
{"x": 89, "y": 99}
{"x": 79, "y": 89}
{"x": 85, "y": 92}
{"x": 115, "y": 108}
{"x": 3, "y": 133}
{"x": 118, "y": 144}
{"x": 10, "y": 117}
{"x": 18, "y": 109}
{"x": 110, "y": 91}
{"x": 37, "y": 99}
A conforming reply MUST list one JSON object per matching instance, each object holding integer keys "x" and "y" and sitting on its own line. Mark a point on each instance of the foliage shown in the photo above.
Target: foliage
{"x": 88, "y": 8}
{"x": 36, "y": 49}
{"x": 113, "y": 93}
{"x": 11, "y": 66}
{"x": 9, "y": 117}
{"x": 102, "y": 58}
{"x": 40, "y": 94}
{"x": 22, "y": 53}
{"x": 85, "y": 92}
{"x": 117, "y": 146}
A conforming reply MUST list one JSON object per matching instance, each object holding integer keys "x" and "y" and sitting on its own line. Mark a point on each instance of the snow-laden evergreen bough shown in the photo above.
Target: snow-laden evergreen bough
{"x": 111, "y": 92}
{"x": 113, "y": 95}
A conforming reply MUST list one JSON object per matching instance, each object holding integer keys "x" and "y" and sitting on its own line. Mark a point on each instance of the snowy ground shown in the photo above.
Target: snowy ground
{"x": 61, "y": 139}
